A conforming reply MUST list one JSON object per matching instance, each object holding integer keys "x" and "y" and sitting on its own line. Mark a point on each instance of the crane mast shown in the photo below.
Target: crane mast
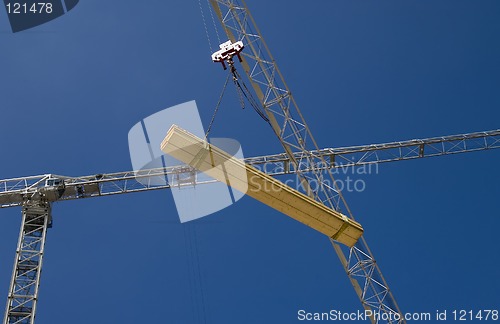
{"x": 23, "y": 292}
{"x": 292, "y": 131}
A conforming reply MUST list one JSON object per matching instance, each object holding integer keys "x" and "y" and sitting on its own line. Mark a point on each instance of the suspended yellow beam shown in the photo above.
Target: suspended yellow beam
{"x": 223, "y": 167}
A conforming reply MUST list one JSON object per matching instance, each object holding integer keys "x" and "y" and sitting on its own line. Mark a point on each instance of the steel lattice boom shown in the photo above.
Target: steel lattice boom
{"x": 355, "y": 156}
{"x": 13, "y": 192}
{"x": 292, "y": 131}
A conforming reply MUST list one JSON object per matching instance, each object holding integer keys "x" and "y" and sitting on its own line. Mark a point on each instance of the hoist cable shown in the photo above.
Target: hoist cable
{"x": 248, "y": 95}
{"x": 217, "y": 107}
{"x": 205, "y": 25}
{"x": 213, "y": 21}
{"x": 240, "y": 93}
{"x": 255, "y": 105}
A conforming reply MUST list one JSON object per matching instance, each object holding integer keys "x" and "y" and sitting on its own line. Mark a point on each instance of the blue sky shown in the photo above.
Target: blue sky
{"x": 361, "y": 71}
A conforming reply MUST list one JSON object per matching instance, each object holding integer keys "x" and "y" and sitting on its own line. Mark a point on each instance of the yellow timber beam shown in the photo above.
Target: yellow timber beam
{"x": 225, "y": 168}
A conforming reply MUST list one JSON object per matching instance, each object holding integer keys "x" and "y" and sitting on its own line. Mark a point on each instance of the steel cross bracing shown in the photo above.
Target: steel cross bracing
{"x": 14, "y": 192}
{"x": 23, "y": 292}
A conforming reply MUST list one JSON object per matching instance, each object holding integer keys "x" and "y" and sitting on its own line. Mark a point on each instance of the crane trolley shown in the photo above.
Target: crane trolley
{"x": 227, "y": 51}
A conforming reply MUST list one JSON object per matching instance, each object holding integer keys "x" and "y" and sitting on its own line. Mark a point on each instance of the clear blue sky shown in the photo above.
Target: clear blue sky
{"x": 361, "y": 71}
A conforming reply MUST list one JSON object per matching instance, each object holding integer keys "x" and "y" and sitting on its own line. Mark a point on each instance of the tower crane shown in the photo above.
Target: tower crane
{"x": 35, "y": 195}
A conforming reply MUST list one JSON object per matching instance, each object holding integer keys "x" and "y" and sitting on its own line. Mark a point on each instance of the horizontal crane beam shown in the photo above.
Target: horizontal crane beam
{"x": 14, "y": 191}
{"x": 379, "y": 153}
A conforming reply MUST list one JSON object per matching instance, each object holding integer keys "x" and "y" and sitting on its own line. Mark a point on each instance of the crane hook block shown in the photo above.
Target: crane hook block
{"x": 227, "y": 51}
{"x": 222, "y": 166}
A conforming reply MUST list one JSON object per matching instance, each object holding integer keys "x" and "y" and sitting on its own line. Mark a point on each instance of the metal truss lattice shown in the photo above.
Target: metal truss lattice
{"x": 23, "y": 293}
